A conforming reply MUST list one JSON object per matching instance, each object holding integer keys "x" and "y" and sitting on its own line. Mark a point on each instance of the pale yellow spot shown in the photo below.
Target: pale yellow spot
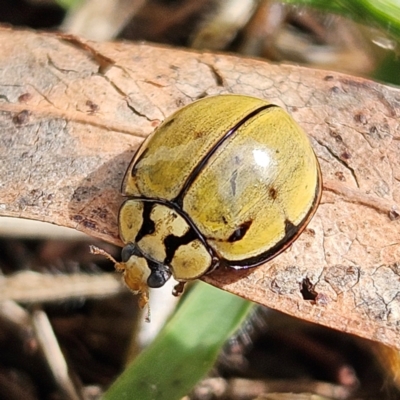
{"x": 130, "y": 220}
{"x": 191, "y": 261}
{"x": 167, "y": 222}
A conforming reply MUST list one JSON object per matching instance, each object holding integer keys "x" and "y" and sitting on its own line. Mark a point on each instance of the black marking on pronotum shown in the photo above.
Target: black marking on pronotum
{"x": 193, "y": 228}
{"x": 173, "y": 242}
{"x": 196, "y": 170}
{"x": 240, "y": 231}
{"x": 148, "y": 227}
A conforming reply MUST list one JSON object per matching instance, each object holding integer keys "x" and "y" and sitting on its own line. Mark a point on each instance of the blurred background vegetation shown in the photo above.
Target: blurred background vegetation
{"x": 215, "y": 345}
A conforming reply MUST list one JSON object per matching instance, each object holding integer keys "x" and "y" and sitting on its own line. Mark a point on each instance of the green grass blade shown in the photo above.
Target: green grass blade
{"x": 381, "y": 13}
{"x": 67, "y": 4}
{"x": 185, "y": 349}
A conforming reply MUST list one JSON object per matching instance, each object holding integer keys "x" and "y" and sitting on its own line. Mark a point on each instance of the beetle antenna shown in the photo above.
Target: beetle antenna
{"x": 101, "y": 252}
{"x": 96, "y": 250}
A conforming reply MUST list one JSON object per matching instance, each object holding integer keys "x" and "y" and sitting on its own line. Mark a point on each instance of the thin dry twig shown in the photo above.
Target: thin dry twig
{"x": 33, "y": 287}
{"x": 54, "y": 356}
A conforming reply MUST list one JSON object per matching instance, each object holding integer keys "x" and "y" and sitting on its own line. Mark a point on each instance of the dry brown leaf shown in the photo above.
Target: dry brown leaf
{"x": 72, "y": 115}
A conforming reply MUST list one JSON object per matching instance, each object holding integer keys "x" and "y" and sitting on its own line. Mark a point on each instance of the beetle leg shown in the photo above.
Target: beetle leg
{"x": 179, "y": 288}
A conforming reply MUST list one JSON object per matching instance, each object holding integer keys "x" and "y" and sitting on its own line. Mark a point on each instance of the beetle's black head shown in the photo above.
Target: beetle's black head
{"x": 159, "y": 273}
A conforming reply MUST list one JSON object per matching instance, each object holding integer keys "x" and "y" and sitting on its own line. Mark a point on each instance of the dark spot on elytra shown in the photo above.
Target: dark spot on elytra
{"x": 240, "y": 231}
{"x": 335, "y": 89}
{"x": 328, "y": 78}
{"x": 272, "y": 192}
{"x": 198, "y": 134}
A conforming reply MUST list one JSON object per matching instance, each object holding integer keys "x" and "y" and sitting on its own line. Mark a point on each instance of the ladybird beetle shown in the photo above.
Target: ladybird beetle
{"x": 228, "y": 181}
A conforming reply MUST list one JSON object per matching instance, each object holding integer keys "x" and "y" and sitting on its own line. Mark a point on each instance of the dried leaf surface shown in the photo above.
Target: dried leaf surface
{"x": 72, "y": 115}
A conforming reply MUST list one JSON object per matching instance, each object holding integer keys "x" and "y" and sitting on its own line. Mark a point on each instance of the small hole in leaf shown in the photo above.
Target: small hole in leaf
{"x": 307, "y": 290}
